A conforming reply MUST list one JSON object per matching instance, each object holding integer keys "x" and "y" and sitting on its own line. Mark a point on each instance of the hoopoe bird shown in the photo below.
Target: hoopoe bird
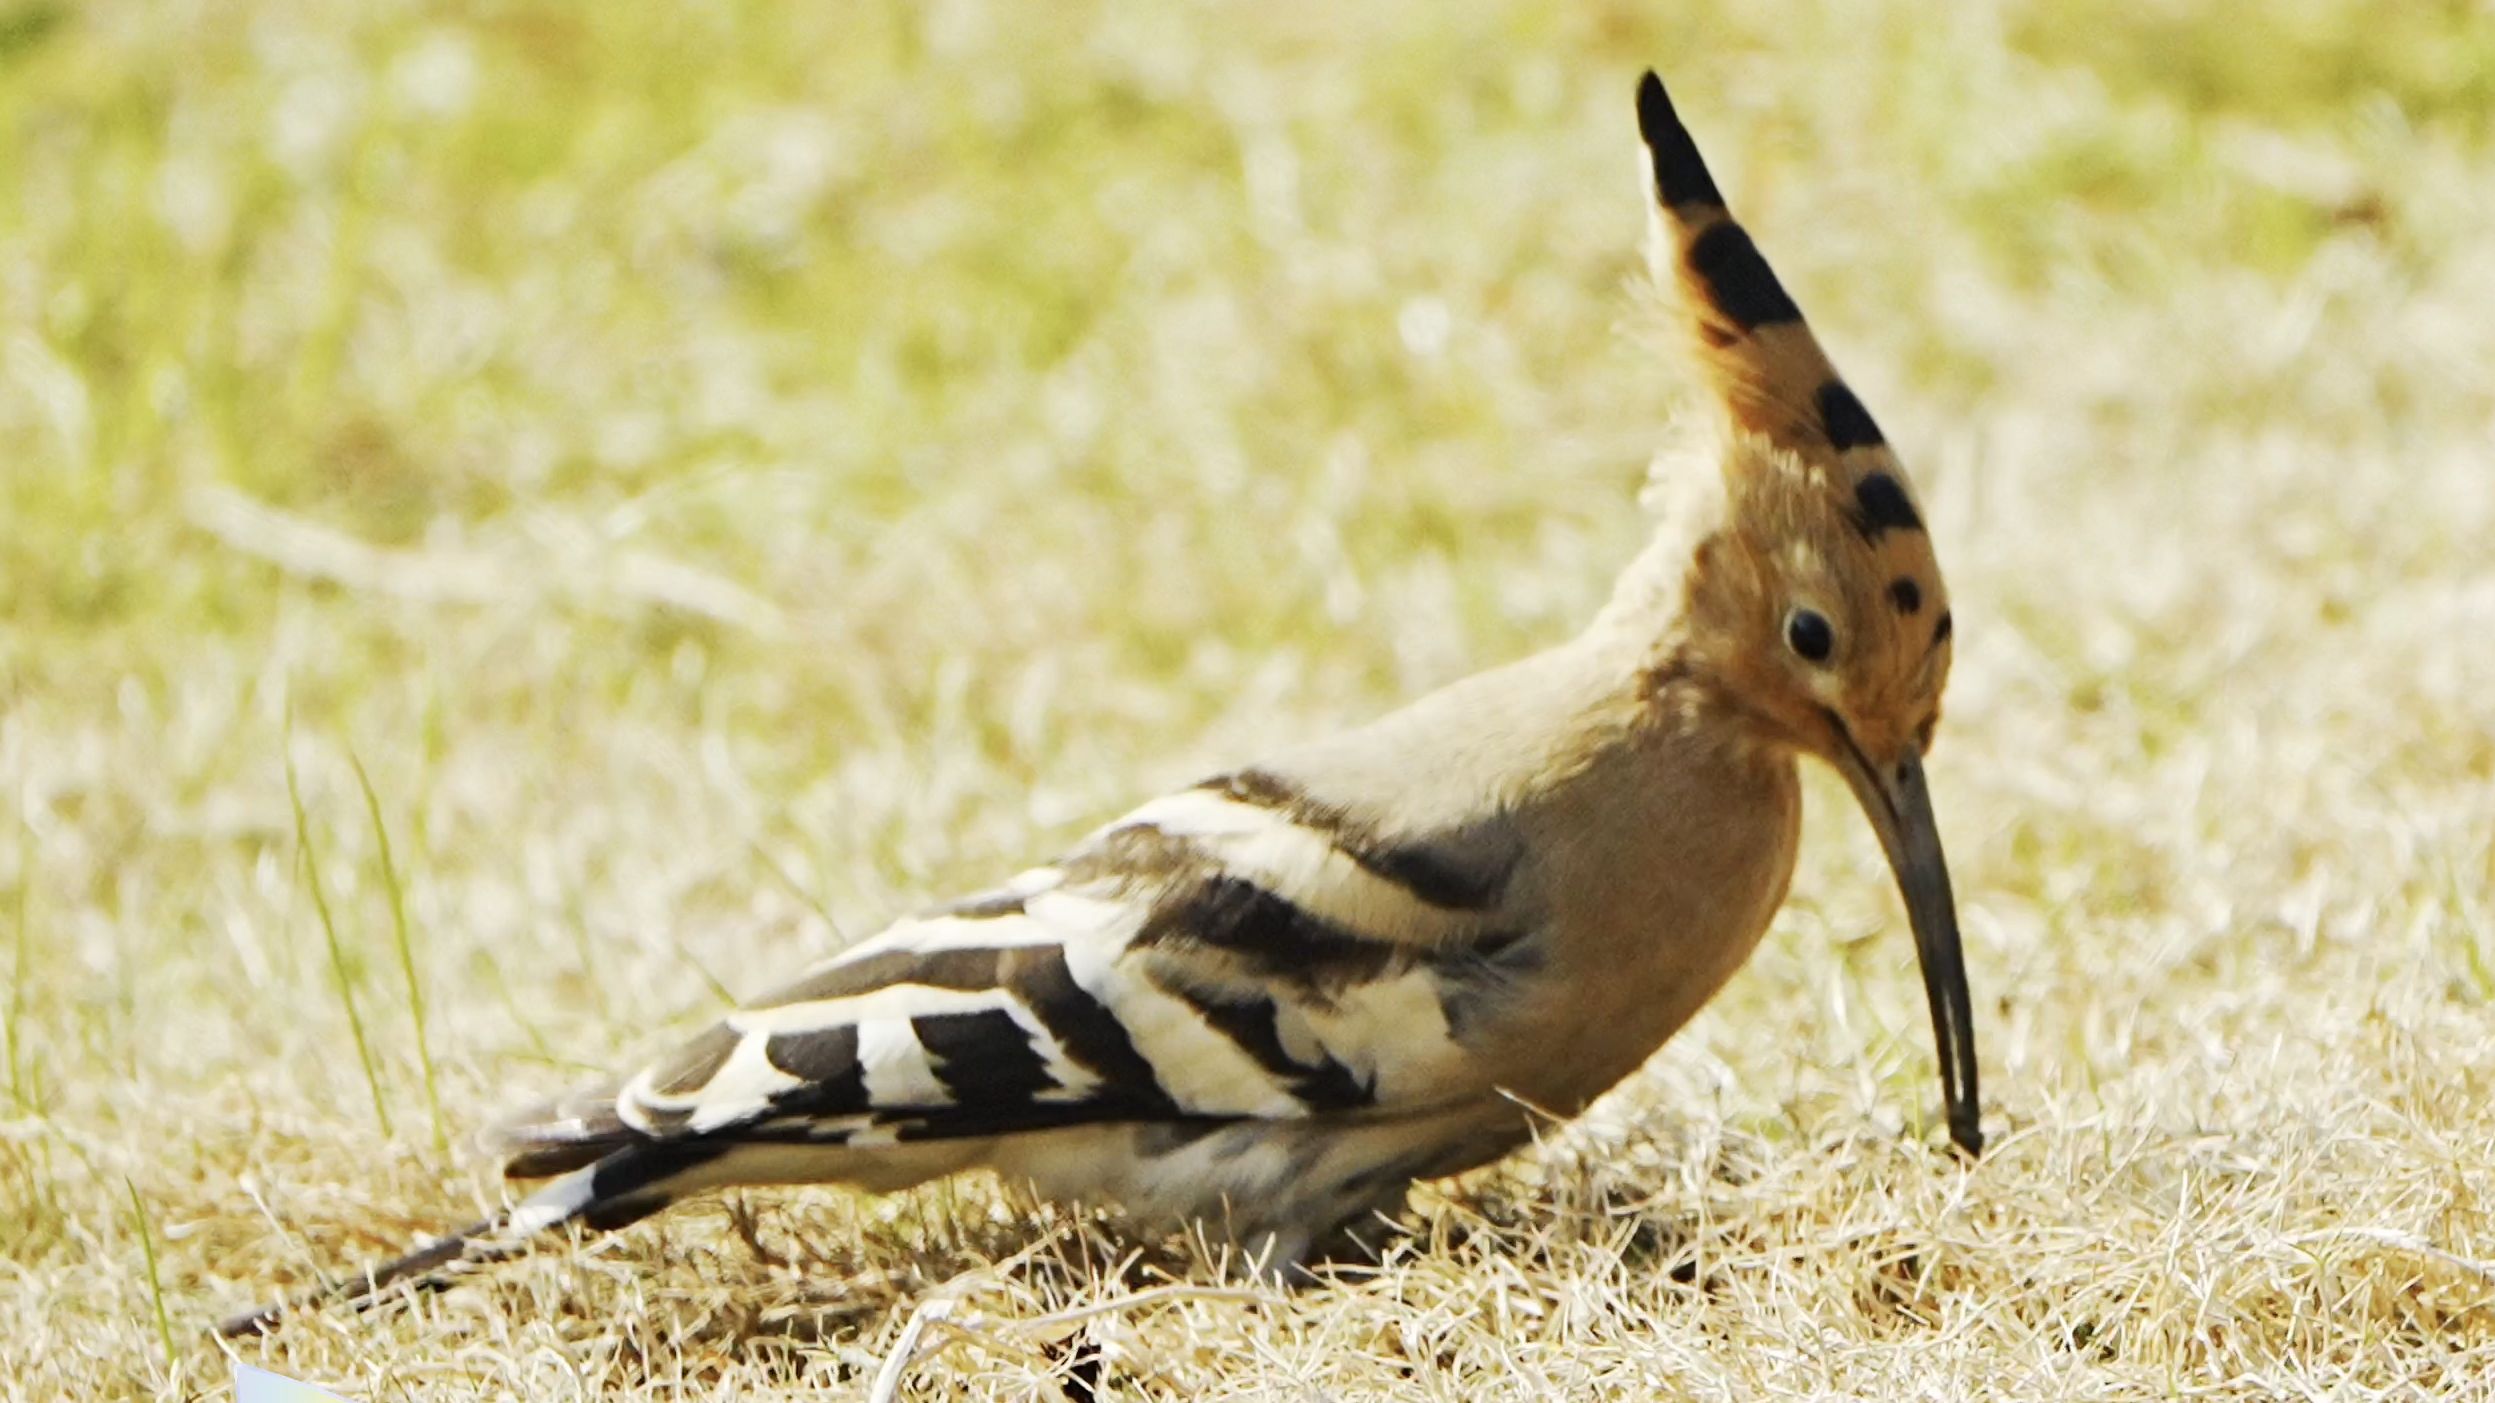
{"x": 1271, "y": 1002}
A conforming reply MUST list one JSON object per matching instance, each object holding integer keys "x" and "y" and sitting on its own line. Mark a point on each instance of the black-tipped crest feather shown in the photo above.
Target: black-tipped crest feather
{"x": 1681, "y": 175}
{"x": 1757, "y": 349}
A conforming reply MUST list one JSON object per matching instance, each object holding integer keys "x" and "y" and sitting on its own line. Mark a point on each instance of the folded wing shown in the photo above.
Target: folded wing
{"x": 1236, "y": 950}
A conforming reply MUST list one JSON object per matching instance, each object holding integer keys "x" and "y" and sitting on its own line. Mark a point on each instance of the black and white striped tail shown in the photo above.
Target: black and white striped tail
{"x": 616, "y": 1192}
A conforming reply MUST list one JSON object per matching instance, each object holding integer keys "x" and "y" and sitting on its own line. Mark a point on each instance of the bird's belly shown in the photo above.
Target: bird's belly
{"x": 1284, "y": 1182}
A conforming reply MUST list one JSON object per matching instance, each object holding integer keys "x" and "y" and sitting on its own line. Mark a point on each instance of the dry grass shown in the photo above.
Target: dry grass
{"x": 730, "y": 475}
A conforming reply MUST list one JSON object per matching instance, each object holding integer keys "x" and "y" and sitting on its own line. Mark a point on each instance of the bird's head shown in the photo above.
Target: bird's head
{"x": 1819, "y": 604}
{"x": 1815, "y": 603}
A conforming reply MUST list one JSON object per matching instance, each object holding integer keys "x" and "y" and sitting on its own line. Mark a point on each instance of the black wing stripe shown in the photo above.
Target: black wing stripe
{"x": 1254, "y": 1024}
{"x": 1087, "y": 1031}
{"x": 1436, "y": 878}
{"x": 1137, "y": 859}
{"x": 816, "y": 1054}
{"x": 828, "y": 1060}
{"x": 1435, "y": 872}
{"x": 627, "y": 1187}
{"x": 1268, "y": 935}
{"x": 970, "y": 967}
{"x": 984, "y": 1059}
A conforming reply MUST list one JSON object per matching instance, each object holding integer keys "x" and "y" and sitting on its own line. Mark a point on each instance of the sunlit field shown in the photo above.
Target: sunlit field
{"x": 727, "y": 476}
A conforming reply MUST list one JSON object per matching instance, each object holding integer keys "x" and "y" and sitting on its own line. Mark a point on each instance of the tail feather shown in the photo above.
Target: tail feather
{"x": 559, "y": 1136}
{"x": 358, "y": 1293}
{"x": 614, "y": 1192}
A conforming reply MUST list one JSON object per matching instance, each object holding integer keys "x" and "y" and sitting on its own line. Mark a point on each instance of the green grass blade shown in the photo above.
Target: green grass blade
{"x": 406, "y": 953}
{"x": 155, "y": 1284}
{"x": 788, "y": 882}
{"x": 337, "y": 951}
{"x": 12, "y": 1029}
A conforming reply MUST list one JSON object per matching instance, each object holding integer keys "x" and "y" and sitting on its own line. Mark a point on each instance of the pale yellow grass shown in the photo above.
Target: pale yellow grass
{"x": 733, "y": 474}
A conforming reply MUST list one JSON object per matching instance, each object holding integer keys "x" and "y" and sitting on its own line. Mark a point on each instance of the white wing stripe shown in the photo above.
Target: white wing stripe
{"x": 1392, "y": 1034}
{"x": 1074, "y": 1080}
{"x": 897, "y": 1001}
{"x": 1298, "y": 864}
{"x": 745, "y": 1081}
{"x": 897, "y": 1067}
{"x": 1197, "y": 1065}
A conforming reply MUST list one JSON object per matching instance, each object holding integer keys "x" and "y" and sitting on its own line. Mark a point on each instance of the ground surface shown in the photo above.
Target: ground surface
{"x": 734, "y": 475}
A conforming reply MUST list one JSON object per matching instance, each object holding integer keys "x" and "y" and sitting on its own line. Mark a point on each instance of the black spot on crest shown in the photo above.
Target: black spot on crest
{"x": 1738, "y": 279}
{"x": 1905, "y": 594}
{"x": 1847, "y": 423}
{"x": 1881, "y": 505}
{"x": 1940, "y": 631}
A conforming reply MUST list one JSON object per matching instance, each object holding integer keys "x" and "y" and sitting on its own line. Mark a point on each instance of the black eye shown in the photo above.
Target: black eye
{"x": 1807, "y": 633}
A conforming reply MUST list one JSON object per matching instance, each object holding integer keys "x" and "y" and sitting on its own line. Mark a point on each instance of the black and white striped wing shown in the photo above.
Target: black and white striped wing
{"x": 1229, "y": 951}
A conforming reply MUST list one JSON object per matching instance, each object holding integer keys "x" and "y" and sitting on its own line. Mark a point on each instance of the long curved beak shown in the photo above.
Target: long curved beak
{"x": 1899, "y": 805}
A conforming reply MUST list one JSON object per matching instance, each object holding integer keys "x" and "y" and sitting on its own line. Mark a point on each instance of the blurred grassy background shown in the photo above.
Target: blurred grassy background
{"x": 732, "y": 473}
